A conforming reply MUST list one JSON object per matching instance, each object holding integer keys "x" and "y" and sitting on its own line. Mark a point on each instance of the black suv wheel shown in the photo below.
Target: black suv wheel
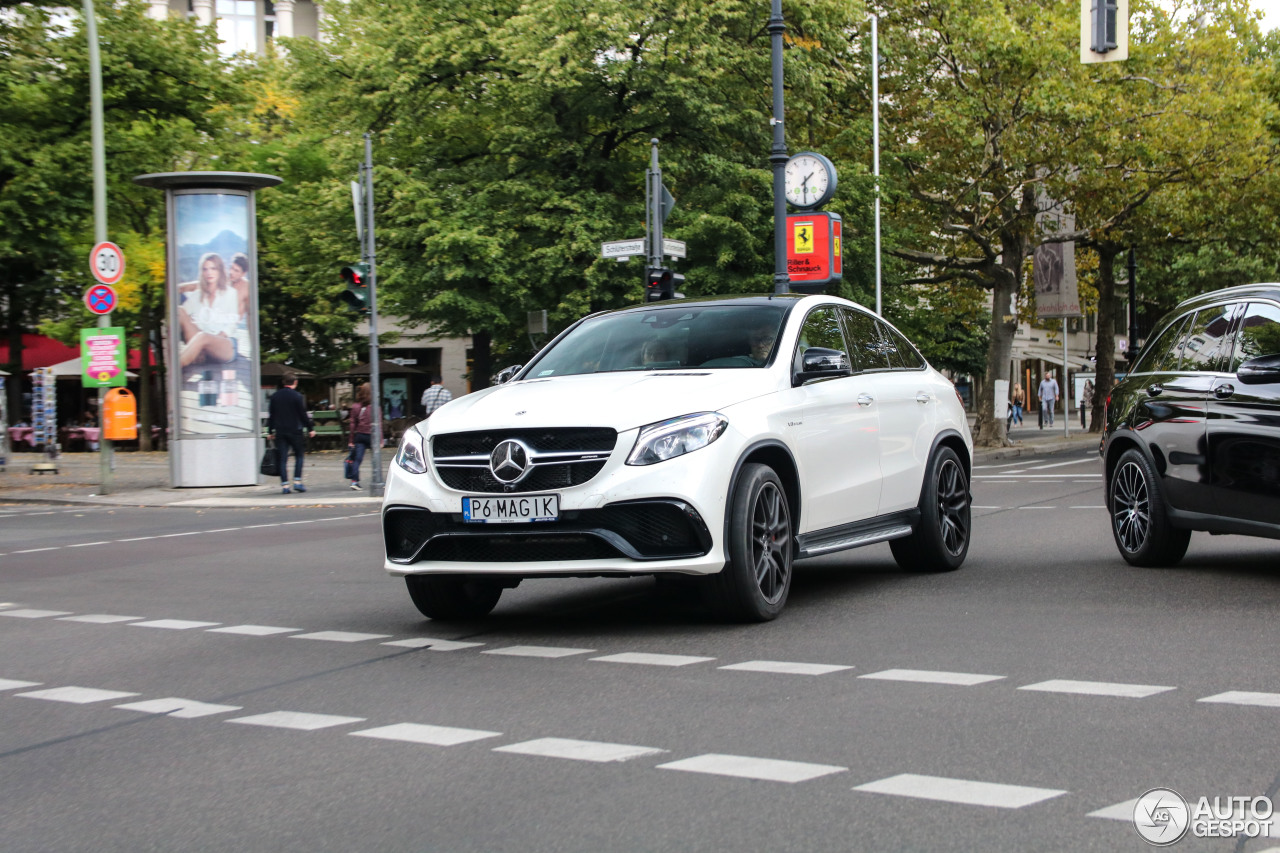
{"x": 1139, "y": 521}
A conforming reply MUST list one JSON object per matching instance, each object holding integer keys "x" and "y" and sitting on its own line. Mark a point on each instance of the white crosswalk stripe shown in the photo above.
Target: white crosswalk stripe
{"x": 785, "y": 667}
{"x": 432, "y": 644}
{"x": 537, "y": 651}
{"x": 28, "y": 613}
{"x": 99, "y": 618}
{"x": 253, "y": 630}
{"x": 653, "y": 659}
{"x": 1241, "y": 697}
{"x": 76, "y": 695}
{"x": 296, "y": 720}
{"x": 962, "y": 679}
{"x": 172, "y": 624}
{"x": 185, "y": 709}
{"x": 339, "y": 636}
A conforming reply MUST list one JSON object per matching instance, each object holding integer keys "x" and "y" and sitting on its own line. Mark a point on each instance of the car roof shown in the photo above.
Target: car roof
{"x": 788, "y": 299}
{"x": 1267, "y": 289}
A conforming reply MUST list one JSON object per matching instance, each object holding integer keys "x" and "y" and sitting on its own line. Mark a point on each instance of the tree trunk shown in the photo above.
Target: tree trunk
{"x": 1106, "y": 347}
{"x": 481, "y": 360}
{"x": 144, "y": 375}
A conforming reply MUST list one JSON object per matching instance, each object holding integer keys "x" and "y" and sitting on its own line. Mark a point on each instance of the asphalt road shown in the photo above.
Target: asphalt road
{"x": 286, "y": 696}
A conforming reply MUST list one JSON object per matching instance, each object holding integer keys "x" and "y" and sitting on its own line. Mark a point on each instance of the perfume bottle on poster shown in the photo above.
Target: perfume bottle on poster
{"x": 207, "y": 388}
{"x": 228, "y": 393}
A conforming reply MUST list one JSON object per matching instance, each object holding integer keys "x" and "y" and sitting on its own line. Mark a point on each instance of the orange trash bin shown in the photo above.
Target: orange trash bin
{"x": 120, "y": 415}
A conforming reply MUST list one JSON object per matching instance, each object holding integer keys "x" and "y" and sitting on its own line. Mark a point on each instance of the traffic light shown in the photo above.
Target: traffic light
{"x": 660, "y": 283}
{"x": 357, "y": 293}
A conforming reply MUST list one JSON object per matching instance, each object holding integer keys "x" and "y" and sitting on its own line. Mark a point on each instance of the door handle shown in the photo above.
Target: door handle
{"x": 1222, "y": 392}
{"x": 865, "y": 399}
{"x": 923, "y": 397}
{"x": 1155, "y": 389}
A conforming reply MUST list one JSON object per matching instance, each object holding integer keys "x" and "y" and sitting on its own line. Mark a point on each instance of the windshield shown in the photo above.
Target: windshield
{"x": 705, "y": 336}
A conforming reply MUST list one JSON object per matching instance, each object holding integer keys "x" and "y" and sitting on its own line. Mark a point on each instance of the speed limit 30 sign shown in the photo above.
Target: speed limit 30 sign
{"x": 106, "y": 262}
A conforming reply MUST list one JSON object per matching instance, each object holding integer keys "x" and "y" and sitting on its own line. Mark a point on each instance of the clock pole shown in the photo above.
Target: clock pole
{"x": 778, "y": 157}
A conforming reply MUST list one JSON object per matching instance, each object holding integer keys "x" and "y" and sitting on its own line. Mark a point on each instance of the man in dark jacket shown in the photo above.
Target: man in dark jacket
{"x": 288, "y": 424}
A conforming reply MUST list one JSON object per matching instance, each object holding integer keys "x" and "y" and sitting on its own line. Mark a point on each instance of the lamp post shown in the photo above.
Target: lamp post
{"x": 778, "y": 157}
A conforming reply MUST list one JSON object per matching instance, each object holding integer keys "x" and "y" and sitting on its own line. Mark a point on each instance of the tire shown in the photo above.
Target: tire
{"x": 754, "y": 584}
{"x": 1139, "y": 514}
{"x": 940, "y": 541}
{"x": 453, "y": 597}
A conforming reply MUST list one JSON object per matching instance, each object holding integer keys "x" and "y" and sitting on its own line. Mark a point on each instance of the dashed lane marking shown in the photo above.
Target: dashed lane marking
{"x": 99, "y": 618}
{"x": 1120, "y": 811}
{"x": 537, "y": 651}
{"x": 432, "y": 644}
{"x": 1062, "y": 464}
{"x": 253, "y": 630}
{"x": 11, "y": 684}
{"x": 296, "y": 720}
{"x": 1098, "y": 688}
{"x": 785, "y": 668}
{"x": 173, "y": 624}
{"x": 29, "y": 613}
{"x": 431, "y": 735}
{"x": 185, "y": 709}
{"x": 964, "y": 791}
{"x": 646, "y": 659}
{"x": 579, "y": 750}
{"x": 339, "y": 636}
{"x": 76, "y": 695}
{"x": 746, "y": 767}
{"x": 1240, "y": 697}
{"x": 925, "y": 676}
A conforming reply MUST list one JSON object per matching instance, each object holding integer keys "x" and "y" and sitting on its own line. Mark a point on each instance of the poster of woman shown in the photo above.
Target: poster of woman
{"x": 213, "y": 317}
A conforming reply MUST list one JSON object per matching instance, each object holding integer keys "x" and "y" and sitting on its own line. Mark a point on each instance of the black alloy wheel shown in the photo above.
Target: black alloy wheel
{"x": 453, "y": 597}
{"x": 940, "y": 541}
{"x": 1139, "y": 519}
{"x": 754, "y": 584}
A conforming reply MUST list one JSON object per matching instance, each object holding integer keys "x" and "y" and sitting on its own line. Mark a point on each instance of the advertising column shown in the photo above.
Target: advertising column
{"x": 213, "y": 326}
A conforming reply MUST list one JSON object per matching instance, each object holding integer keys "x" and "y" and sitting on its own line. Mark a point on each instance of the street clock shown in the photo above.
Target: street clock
{"x": 810, "y": 180}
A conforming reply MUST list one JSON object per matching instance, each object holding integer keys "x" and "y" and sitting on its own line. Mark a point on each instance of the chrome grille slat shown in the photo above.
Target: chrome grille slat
{"x": 558, "y": 458}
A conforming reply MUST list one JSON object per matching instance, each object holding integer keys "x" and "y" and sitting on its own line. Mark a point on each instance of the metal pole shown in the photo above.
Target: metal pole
{"x": 778, "y": 157}
{"x": 1066, "y": 385}
{"x": 653, "y": 195}
{"x": 376, "y": 487}
{"x": 99, "y": 160}
{"x": 875, "y": 139}
{"x": 1133, "y": 308}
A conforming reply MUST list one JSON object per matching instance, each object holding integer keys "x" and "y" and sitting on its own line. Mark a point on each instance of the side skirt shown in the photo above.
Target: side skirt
{"x": 880, "y": 529}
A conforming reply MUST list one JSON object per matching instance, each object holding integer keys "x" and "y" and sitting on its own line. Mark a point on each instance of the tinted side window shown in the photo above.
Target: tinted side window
{"x": 866, "y": 348}
{"x": 1164, "y": 352}
{"x": 1259, "y": 334}
{"x": 907, "y": 354}
{"x": 1205, "y": 341}
{"x": 821, "y": 329}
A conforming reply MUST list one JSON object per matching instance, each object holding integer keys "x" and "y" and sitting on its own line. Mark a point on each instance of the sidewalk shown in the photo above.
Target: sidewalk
{"x": 142, "y": 479}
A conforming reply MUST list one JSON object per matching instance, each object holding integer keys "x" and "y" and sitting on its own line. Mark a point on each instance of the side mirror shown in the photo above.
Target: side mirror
{"x": 506, "y": 374}
{"x": 1263, "y": 370}
{"x": 822, "y": 363}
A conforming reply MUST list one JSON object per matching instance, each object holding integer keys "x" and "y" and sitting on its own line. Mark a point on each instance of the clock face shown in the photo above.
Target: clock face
{"x": 810, "y": 180}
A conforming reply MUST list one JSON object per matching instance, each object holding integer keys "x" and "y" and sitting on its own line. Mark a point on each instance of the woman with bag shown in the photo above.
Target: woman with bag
{"x": 361, "y": 429}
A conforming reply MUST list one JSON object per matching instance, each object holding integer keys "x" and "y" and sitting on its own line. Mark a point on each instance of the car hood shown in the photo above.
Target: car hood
{"x": 622, "y": 401}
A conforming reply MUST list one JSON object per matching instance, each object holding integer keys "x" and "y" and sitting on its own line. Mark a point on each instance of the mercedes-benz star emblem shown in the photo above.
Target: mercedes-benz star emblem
{"x": 509, "y": 461}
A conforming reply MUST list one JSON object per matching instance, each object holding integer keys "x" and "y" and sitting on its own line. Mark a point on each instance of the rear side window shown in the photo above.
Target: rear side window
{"x": 1162, "y": 354}
{"x": 1205, "y": 342}
{"x": 866, "y": 348}
{"x": 1258, "y": 334}
{"x": 901, "y": 354}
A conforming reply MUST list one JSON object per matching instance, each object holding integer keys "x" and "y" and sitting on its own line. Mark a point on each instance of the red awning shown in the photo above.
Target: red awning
{"x": 39, "y": 351}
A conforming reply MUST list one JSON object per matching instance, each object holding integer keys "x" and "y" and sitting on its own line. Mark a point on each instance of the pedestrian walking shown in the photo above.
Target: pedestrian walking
{"x": 361, "y": 431}
{"x": 1048, "y": 396}
{"x": 1086, "y": 402}
{"x": 1019, "y": 400}
{"x": 435, "y": 396}
{"x": 288, "y": 424}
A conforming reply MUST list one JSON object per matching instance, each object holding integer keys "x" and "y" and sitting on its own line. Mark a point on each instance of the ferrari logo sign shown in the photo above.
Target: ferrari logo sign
{"x": 803, "y": 238}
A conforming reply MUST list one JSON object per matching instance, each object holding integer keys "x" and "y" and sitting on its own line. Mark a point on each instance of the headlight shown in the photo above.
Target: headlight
{"x": 411, "y": 456}
{"x": 676, "y": 437}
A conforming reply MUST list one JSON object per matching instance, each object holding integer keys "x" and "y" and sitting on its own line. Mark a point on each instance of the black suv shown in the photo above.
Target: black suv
{"x": 1192, "y": 437}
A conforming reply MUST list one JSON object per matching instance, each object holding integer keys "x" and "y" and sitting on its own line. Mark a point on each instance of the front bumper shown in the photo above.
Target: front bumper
{"x": 626, "y": 520}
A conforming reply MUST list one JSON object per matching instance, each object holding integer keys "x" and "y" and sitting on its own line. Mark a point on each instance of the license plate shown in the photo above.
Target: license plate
{"x": 511, "y": 510}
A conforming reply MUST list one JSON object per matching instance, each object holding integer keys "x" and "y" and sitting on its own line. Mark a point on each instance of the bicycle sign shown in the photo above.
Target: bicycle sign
{"x": 106, "y": 262}
{"x": 101, "y": 299}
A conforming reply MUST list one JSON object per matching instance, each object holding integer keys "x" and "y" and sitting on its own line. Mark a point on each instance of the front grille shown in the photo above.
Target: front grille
{"x": 561, "y": 458}
{"x": 640, "y": 530}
